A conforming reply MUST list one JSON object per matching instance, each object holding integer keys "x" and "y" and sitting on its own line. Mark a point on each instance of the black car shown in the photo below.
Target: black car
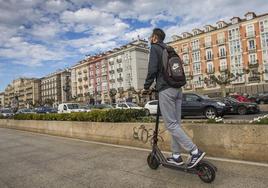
{"x": 45, "y": 110}
{"x": 196, "y": 105}
{"x": 240, "y": 108}
{"x": 262, "y": 98}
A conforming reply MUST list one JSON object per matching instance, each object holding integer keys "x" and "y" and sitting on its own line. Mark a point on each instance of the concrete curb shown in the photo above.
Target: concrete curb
{"x": 235, "y": 141}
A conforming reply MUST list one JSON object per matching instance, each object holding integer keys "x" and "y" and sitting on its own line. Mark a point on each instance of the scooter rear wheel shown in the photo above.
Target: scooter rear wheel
{"x": 206, "y": 172}
{"x": 152, "y": 161}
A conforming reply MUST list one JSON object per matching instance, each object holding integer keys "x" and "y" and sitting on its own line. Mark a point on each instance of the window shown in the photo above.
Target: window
{"x": 209, "y": 55}
{"x": 264, "y": 40}
{"x": 210, "y": 67}
{"x": 264, "y": 26}
{"x": 251, "y": 44}
{"x": 197, "y": 68}
{"x": 153, "y": 103}
{"x": 236, "y": 61}
{"x": 195, "y": 44}
{"x": 208, "y": 40}
{"x": 234, "y": 33}
{"x": 223, "y": 64}
{"x": 250, "y": 30}
{"x": 235, "y": 47}
{"x": 196, "y": 56}
{"x": 198, "y": 81}
{"x": 191, "y": 98}
{"x": 185, "y": 58}
{"x": 252, "y": 59}
{"x": 220, "y": 25}
{"x": 222, "y": 51}
{"x": 249, "y": 16}
{"x": 265, "y": 56}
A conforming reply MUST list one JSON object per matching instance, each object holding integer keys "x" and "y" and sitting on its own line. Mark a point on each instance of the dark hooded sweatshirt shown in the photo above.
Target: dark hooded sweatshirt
{"x": 155, "y": 68}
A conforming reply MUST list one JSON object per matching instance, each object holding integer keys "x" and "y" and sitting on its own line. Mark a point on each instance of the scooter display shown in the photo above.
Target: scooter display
{"x": 204, "y": 169}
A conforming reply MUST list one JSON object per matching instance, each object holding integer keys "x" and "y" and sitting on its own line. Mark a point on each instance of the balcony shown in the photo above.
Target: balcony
{"x": 79, "y": 73}
{"x": 85, "y": 86}
{"x": 207, "y": 44}
{"x": 222, "y": 55}
{"x": 251, "y": 34}
{"x": 112, "y": 80}
{"x": 111, "y": 71}
{"x": 111, "y": 62}
{"x": 85, "y": 78}
{"x": 119, "y": 70}
{"x": 209, "y": 58}
{"x": 185, "y": 50}
{"x": 120, "y": 79}
{"x": 85, "y": 71}
{"x": 252, "y": 49}
{"x": 253, "y": 64}
{"x": 79, "y": 79}
{"x": 223, "y": 68}
{"x": 221, "y": 42}
{"x": 254, "y": 79}
{"x": 195, "y": 48}
{"x": 80, "y": 87}
{"x": 210, "y": 71}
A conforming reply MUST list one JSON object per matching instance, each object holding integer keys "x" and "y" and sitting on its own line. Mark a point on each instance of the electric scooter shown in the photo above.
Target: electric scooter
{"x": 204, "y": 169}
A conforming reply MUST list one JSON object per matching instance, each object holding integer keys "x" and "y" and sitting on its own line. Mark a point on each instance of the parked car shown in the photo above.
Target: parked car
{"x": 130, "y": 105}
{"x": 196, "y": 105}
{"x": 6, "y": 112}
{"x": 25, "y": 111}
{"x": 240, "y": 108}
{"x": 101, "y": 106}
{"x": 262, "y": 98}
{"x": 70, "y": 107}
{"x": 45, "y": 110}
{"x": 240, "y": 98}
{"x": 152, "y": 106}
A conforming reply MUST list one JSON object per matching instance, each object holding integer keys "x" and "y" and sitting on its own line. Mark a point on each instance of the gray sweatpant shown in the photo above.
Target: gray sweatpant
{"x": 170, "y": 101}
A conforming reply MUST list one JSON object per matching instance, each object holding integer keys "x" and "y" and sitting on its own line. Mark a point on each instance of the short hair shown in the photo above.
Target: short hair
{"x": 160, "y": 34}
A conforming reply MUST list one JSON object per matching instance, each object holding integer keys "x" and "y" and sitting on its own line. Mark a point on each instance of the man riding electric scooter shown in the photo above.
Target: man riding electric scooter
{"x": 161, "y": 68}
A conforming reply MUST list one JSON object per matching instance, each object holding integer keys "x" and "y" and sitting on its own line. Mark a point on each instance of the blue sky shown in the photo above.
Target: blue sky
{"x": 38, "y": 37}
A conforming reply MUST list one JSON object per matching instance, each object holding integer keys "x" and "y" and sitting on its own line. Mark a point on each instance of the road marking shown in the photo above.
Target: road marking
{"x": 143, "y": 149}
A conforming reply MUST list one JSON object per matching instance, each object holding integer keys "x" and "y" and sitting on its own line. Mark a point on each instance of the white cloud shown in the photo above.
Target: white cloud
{"x": 142, "y": 33}
{"x": 22, "y": 52}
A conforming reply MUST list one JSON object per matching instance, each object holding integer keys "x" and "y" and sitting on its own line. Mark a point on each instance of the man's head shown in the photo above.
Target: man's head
{"x": 158, "y": 35}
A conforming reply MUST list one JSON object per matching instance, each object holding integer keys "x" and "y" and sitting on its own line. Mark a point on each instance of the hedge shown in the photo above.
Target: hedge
{"x": 113, "y": 115}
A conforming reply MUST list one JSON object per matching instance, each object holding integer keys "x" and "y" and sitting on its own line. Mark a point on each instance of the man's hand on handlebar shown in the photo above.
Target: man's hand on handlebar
{"x": 145, "y": 91}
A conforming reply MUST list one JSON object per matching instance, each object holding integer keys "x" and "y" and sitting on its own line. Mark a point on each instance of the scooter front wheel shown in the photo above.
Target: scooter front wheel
{"x": 152, "y": 161}
{"x": 206, "y": 172}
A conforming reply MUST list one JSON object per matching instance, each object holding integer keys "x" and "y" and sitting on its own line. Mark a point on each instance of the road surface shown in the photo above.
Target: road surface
{"x": 33, "y": 160}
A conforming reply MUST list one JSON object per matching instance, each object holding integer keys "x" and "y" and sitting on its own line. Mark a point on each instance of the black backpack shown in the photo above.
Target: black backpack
{"x": 172, "y": 67}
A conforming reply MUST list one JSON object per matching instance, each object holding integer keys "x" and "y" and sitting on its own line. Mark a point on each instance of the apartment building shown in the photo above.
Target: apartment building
{"x": 239, "y": 46}
{"x": 119, "y": 69}
{"x": 24, "y": 91}
{"x": 55, "y": 88}
{"x": 2, "y": 100}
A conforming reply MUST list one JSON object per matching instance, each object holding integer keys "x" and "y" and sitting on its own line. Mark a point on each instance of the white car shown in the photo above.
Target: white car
{"x": 152, "y": 106}
{"x": 130, "y": 105}
{"x": 70, "y": 107}
{"x": 6, "y": 112}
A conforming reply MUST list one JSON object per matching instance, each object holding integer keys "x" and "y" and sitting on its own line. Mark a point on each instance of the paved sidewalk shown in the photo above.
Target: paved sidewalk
{"x": 32, "y": 160}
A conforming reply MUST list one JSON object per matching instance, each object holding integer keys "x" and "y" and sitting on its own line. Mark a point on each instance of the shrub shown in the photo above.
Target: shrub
{"x": 113, "y": 115}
